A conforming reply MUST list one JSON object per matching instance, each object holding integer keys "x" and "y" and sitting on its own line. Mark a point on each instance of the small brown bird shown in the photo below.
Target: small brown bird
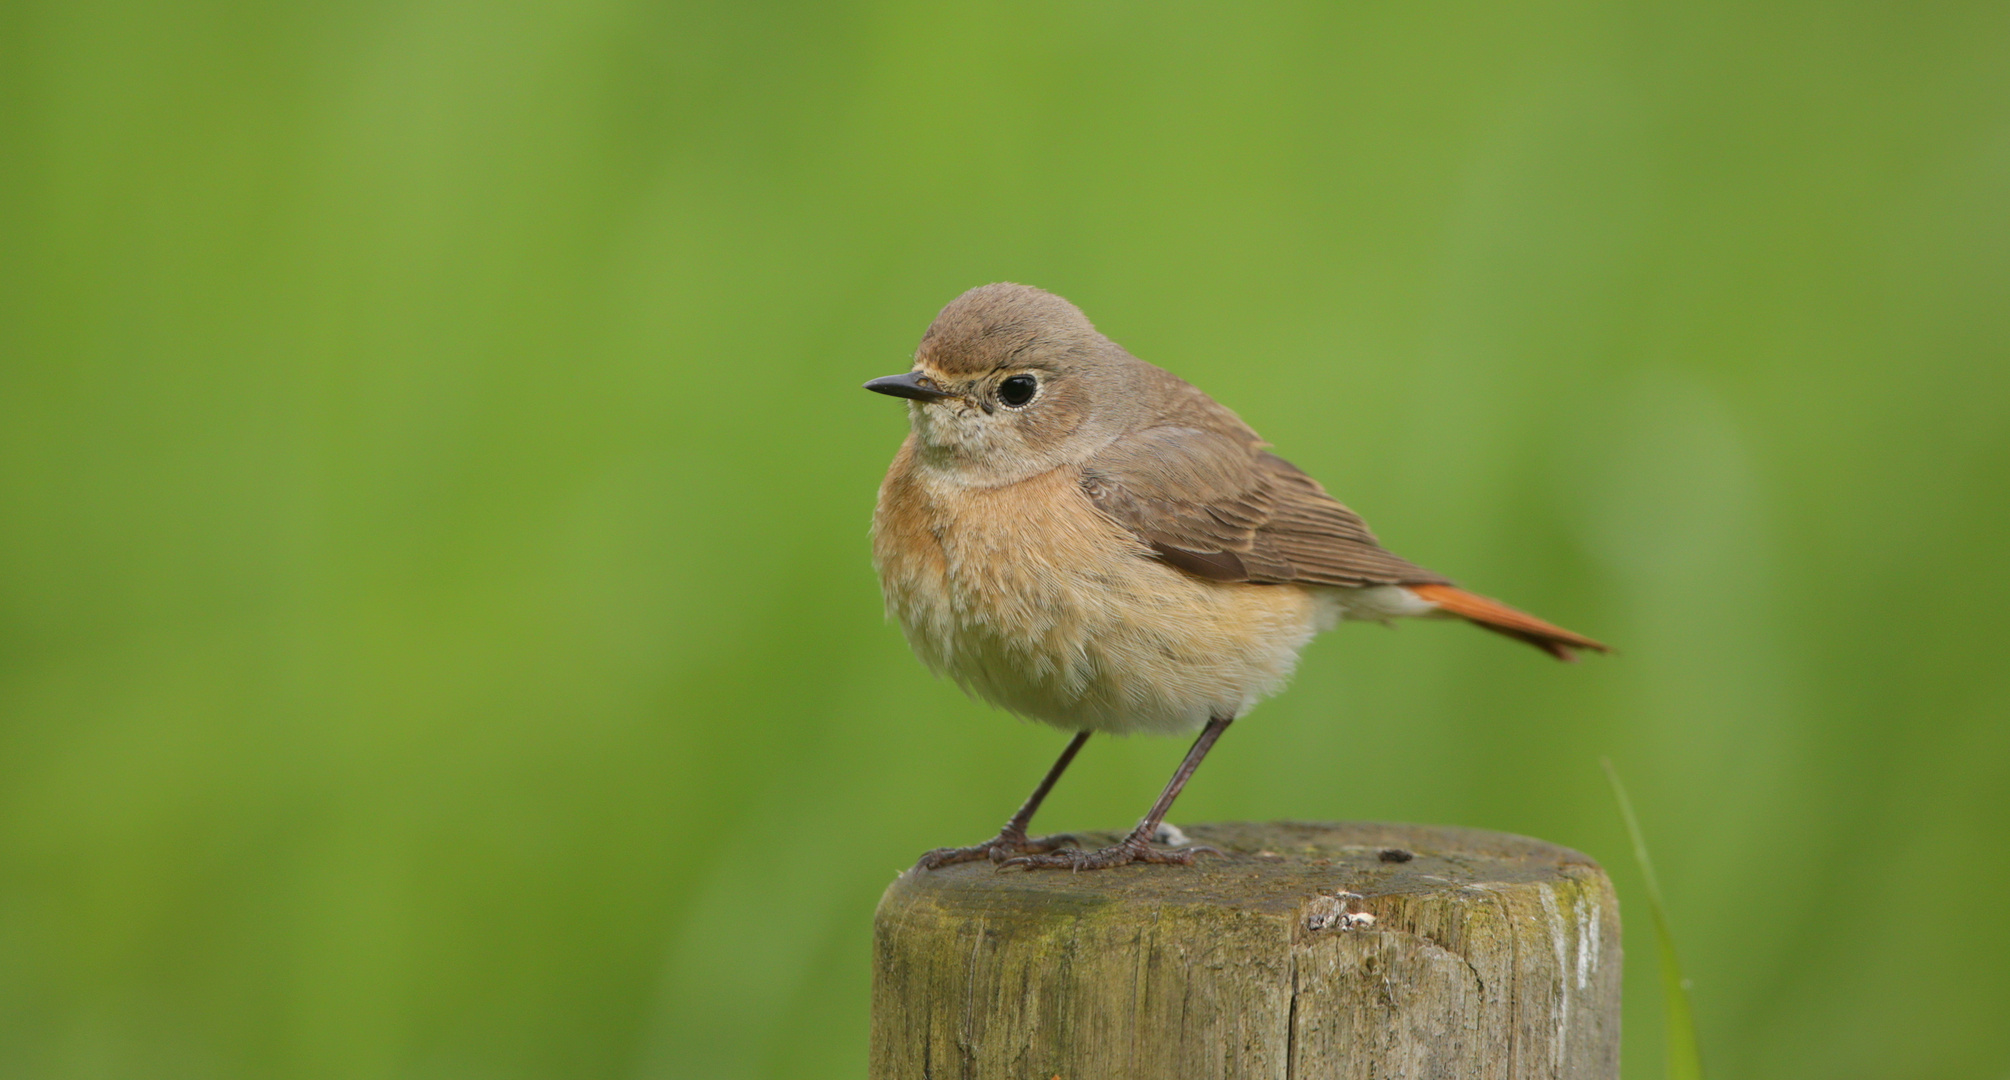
{"x": 1081, "y": 538}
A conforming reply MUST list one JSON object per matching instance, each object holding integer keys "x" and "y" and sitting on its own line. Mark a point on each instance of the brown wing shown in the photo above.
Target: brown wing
{"x": 1218, "y": 506}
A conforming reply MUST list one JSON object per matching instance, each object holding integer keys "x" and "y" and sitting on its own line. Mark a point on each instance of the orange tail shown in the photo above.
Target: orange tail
{"x": 1502, "y": 619}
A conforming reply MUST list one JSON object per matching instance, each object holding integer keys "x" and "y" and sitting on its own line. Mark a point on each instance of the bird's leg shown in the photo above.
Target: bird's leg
{"x": 1137, "y": 847}
{"x": 1012, "y": 840}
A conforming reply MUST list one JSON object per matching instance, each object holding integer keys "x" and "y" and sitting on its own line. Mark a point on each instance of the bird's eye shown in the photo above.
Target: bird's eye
{"x": 1018, "y": 390}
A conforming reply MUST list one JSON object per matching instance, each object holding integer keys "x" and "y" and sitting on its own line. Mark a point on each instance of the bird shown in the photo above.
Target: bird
{"x": 1084, "y": 539}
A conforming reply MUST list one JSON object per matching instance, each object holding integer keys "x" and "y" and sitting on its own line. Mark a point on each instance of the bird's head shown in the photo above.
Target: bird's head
{"x": 1011, "y": 381}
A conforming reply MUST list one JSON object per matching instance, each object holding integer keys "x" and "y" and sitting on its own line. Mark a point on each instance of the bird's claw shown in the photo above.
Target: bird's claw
{"x": 998, "y": 849}
{"x": 1133, "y": 849}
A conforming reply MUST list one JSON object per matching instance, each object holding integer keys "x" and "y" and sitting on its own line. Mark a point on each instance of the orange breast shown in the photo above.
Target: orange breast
{"x": 1034, "y": 601}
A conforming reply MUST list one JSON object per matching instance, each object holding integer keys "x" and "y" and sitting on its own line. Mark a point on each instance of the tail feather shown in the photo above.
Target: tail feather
{"x": 1501, "y": 619}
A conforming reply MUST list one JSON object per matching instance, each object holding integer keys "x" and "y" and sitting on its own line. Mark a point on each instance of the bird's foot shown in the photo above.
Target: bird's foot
{"x": 1008, "y": 843}
{"x": 1135, "y": 848}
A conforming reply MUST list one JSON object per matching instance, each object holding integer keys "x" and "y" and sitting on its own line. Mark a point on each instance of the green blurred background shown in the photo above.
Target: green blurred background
{"x": 437, "y": 636}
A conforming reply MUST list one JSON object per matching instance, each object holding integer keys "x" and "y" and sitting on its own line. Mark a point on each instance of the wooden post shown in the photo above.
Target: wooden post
{"x": 1481, "y": 955}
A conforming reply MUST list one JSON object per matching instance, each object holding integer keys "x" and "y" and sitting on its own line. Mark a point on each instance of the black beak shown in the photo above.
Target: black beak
{"x": 911, "y": 385}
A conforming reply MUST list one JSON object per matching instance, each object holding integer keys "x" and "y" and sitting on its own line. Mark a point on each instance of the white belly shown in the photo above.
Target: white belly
{"x": 1158, "y": 652}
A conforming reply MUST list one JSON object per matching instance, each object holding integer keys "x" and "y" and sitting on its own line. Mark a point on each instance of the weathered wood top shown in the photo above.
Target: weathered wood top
{"x": 1269, "y": 866}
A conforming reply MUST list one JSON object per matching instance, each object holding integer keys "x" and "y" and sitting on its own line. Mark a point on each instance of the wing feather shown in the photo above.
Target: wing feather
{"x": 1214, "y": 504}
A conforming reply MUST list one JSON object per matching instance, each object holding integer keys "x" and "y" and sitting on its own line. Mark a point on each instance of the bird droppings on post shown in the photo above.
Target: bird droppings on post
{"x": 1330, "y": 911}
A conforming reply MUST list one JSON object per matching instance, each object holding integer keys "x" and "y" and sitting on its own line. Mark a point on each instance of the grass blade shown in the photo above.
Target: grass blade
{"x": 1685, "y": 1059}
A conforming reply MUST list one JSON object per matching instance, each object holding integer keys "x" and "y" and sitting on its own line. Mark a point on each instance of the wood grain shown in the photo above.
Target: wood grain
{"x": 1489, "y": 955}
